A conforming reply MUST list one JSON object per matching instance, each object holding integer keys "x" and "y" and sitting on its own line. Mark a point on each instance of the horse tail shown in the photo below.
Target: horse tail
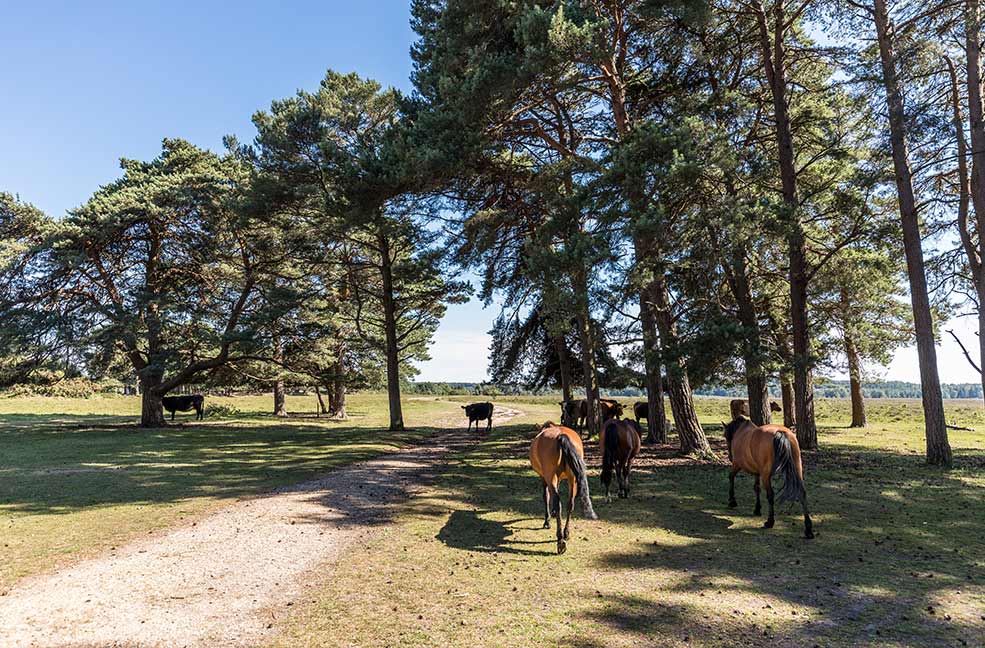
{"x": 573, "y": 460}
{"x": 610, "y": 451}
{"x": 784, "y": 462}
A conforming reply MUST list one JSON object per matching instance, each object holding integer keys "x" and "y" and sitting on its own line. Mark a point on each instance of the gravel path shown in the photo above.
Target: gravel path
{"x": 224, "y": 579}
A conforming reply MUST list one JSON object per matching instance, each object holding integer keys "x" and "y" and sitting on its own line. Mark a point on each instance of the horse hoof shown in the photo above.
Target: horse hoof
{"x": 768, "y": 524}
{"x": 808, "y": 535}
{"x": 733, "y": 504}
{"x": 547, "y": 525}
{"x": 562, "y": 546}
{"x": 757, "y": 512}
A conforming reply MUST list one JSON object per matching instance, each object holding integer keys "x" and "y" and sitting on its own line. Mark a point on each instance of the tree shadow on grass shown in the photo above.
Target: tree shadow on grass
{"x": 57, "y": 464}
{"x": 897, "y": 560}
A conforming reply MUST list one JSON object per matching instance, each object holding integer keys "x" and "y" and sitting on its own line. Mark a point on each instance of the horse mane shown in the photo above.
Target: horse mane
{"x": 734, "y": 427}
{"x": 548, "y": 424}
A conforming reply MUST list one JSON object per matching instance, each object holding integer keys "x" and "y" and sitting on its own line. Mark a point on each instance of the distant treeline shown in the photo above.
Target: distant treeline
{"x": 827, "y": 389}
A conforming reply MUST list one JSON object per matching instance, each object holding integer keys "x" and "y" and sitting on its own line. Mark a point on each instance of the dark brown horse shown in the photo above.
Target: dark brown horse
{"x": 556, "y": 453}
{"x": 575, "y": 412}
{"x": 763, "y": 451}
{"x": 620, "y": 443}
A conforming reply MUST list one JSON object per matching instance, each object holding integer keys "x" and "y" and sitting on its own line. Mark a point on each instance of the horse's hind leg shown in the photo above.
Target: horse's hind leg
{"x": 547, "y": 506}
{"x": 572, "y": 491}
{"x": 731, "y": 488}
{"x": 759, "y": 509}
{"x": 808, "y": 524}
{"x": 556, "y": 512}
{"x": 768, "y": 484}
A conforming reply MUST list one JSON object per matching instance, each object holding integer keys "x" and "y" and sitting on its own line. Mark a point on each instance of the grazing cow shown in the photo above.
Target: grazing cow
{"x": 479, "y": 412}
{"x": 739, "y": 407}
{"x": 185, "y": 404}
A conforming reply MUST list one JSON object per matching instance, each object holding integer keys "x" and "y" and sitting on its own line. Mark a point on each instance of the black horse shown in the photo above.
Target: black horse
{"x": 185, "y": 404}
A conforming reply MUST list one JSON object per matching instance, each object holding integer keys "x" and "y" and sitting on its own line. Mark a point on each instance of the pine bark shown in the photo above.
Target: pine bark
{"x": 855, "y": 383}
{"x": 321, "y": 401}
{"x": 587, "y": 338}
{"x": 973, "y": 53}
{"x": 564, "y": 367}
{"x": 938, "y": 448}
{"x": 151, "y": 410}
{"x": 392, "y": 351}
{"x": 774, "y": 60}
{"x": 692, "y": 437}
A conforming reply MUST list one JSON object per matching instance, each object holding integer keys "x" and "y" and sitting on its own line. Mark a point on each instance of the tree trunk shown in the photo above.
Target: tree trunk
{"x": 390, "y": 326}
{"x": 564, "y": 367}
{"x": 280, "y": 399}
{"x": 656, "y": 430}
{"x": 321, "y": 401}
{"x": 151, "y": 411}
{"x": 757, "y": 388}
{"x": 689, "y": 430}
{"x": 774, "y": 60}
{"x": 938, "y": 448}
{"x": 855, "y": 381}
{"x": 338, "y": 398}
{"x": 973, "y": 53}
{"x": 587, "y": 338}
{"x": 786, "y": 394}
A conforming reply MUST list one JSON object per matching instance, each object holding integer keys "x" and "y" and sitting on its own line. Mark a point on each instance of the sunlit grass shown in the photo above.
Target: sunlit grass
{"x": 898, "y": 559}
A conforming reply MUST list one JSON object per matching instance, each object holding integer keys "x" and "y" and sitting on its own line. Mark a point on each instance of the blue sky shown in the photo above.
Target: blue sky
{"x": 87, "y": 83}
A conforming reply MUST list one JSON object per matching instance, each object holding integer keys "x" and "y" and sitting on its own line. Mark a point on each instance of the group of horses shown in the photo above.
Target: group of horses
{"x": 557, "y": 455}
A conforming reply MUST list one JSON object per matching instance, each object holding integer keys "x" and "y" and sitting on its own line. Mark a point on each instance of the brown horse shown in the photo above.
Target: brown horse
{"x": 620, "y": 443}
{"x": 556, "y": 453}
{"x": 763, "y": 451}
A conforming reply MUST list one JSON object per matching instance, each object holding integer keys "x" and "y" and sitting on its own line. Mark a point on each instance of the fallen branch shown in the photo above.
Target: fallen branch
{"x": 958, "y": 427}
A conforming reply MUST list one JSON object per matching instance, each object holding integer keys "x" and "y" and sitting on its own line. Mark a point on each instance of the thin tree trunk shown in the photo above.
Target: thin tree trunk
{"x": 656, "y": 431}
{"x": 587, "y": 353}
{"x": 774, "y": 58}
{"x": 564, "y": 367}
{"x": 855, "y": 382}
{"x": 689, "y": 430}
{"x": 757, "y": 388}
{"x": 657, "y": 407}
{"x": 280, "y": 398}
{"x": 321, "y": 401}
{"x": 390, "y": 326}
{"x": 973, "y": 53}
{"x": 786, "y": 395}
{"x": 938, "y": 448}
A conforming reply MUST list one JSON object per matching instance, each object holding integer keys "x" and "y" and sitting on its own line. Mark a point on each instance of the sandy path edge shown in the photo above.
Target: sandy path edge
{"x": 217, "y": 580}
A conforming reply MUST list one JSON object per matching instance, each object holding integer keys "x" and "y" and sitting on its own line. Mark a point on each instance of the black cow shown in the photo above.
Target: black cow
{"x": 185, "y": 404}
{"x": 478, "y": 412}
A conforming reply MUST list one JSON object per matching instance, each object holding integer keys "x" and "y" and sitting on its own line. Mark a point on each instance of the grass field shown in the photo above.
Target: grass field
{"x": 899, "y": 558}
{"x": 77, "y": 476}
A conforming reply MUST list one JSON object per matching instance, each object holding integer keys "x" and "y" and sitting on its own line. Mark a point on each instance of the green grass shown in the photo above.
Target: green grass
{"x": 899, "y": 559}
{"x": 77, "y": 476}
